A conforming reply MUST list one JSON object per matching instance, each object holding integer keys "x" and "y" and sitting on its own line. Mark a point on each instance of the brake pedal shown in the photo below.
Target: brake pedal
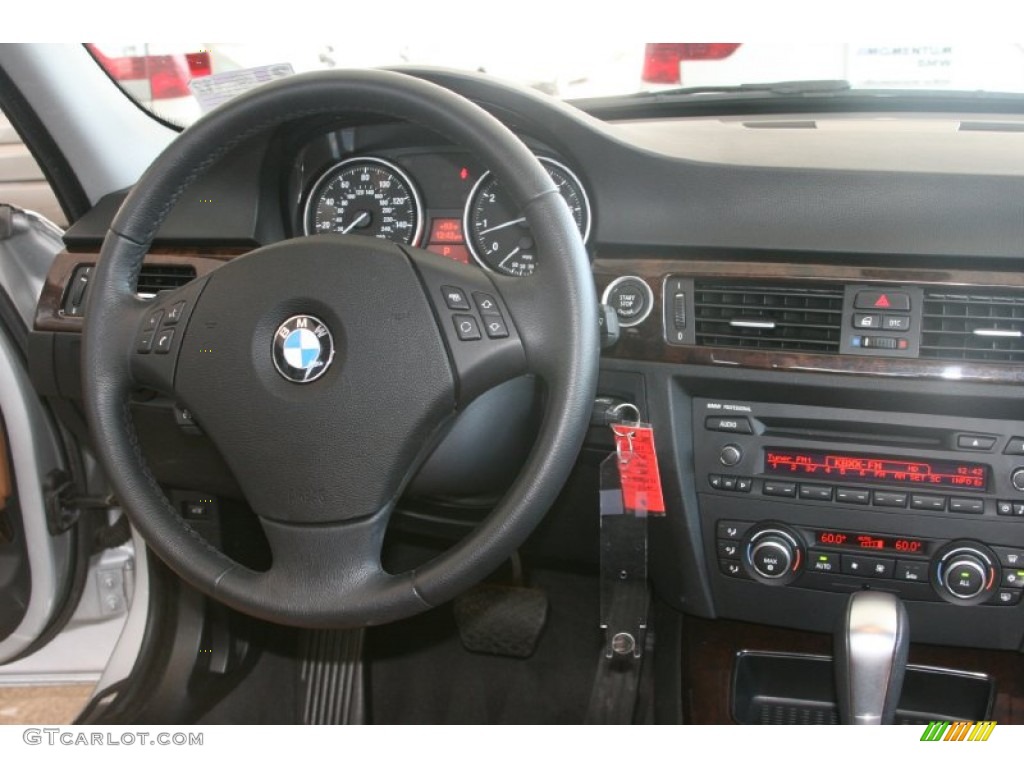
{"x": 501, "y": 620}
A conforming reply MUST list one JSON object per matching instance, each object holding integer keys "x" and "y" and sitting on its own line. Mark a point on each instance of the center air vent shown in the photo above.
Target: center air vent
{"x": 973, "y": 327}
{"x": 760, "y": 316}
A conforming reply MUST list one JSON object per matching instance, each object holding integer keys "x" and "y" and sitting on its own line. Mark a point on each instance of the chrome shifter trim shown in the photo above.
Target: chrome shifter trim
{"x": 871, "y": 658}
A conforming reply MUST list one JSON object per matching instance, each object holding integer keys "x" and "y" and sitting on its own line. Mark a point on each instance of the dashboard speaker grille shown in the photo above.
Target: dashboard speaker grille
{"x": 163, "y": 277}
{"x": 973, "y": 327}
{"x": 764, "y": 316}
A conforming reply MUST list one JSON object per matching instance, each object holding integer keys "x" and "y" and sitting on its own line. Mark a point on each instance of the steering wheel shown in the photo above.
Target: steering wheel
{"x": 326, "y": 368}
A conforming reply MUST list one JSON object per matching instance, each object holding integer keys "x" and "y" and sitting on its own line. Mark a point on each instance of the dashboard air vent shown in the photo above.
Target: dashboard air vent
{"x": 162, "y": 277}
{"x": 765, "y": 316}
{"x": 972, "y": 326}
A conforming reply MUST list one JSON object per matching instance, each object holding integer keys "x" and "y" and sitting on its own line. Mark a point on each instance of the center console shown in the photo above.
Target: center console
{"x": 799, "y": 506}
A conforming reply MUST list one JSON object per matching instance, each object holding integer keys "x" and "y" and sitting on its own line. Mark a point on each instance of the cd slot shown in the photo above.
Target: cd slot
{"x": 869, "y": 433}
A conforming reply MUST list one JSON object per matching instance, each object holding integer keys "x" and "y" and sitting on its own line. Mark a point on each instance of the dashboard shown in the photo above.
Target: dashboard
{"x": 822, "y": 316}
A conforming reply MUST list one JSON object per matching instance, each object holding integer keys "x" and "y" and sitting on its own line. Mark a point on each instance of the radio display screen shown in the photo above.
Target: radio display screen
{"x": 854, "y": 468}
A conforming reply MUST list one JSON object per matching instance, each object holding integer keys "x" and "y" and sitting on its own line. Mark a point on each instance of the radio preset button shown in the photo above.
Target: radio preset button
{"x": 889, "y": 499}
{"x": 853, "y": 496}
{"x": 967, "y": 506}
{"x": 739, "y": 425}
{"x": 816, "y": 492}
{"x": 933, "y": 503}
{"x": 776, "y": 488}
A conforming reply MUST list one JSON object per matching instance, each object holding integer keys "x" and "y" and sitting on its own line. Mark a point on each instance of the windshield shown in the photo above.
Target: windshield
{"x": 179, "y": 82}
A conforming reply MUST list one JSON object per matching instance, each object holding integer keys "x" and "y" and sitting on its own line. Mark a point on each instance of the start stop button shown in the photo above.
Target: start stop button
{"x": 631, "y": 299}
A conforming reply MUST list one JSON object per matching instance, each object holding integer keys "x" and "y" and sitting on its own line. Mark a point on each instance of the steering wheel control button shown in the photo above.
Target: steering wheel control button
{"x": 740, "y": 426}
{"x": 145, "y": 344}
{"x": 153, "y": 321}
{"x": 889, "y": 301}
{"x": 163, "y": 341}
{"x": 303, "y": 349}
{"x": 495, "y": 327}
{"x": 486, "y": 304}
{"x": 466, "y": 327}
{"x": 631, "y": 298}
{"x": 455, "y": 298}
{"x": 174, "y": 313}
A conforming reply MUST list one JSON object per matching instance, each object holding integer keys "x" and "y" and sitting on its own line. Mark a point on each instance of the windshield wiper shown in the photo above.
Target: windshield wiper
{"x": 785, "y": 88}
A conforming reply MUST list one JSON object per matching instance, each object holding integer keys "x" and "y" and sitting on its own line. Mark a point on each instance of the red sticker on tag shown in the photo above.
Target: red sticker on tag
{"x": 638, "y": 469}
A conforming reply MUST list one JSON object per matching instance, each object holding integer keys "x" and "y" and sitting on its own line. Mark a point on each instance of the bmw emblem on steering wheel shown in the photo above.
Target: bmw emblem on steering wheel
{"x": 303, "y": 349}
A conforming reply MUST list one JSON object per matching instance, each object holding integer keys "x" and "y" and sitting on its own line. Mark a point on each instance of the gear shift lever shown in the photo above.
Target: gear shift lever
{"x": 870, "y": 658}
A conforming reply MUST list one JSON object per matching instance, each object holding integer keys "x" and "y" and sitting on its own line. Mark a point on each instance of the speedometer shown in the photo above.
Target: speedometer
{"x": 496, "y": 231}
{"x": 365, "y": 196}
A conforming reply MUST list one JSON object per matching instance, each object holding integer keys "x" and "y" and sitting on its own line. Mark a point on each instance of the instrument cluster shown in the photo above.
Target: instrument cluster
{"x": 440, "y": 200}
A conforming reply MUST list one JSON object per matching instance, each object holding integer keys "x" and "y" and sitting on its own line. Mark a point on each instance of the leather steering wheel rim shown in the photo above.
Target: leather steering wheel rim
{"x": 306, "y": 586}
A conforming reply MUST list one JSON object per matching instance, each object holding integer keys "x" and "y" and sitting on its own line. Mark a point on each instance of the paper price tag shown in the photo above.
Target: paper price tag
{"x": 638, "y": 469}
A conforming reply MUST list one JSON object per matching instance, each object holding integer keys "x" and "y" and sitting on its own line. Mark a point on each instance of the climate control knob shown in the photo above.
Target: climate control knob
{"x": 965, "y": 572}
{"x": 772, "y": 554}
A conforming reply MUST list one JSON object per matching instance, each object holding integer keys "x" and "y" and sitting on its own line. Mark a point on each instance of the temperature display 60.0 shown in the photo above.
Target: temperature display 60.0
{"x": 903, "y": 545}
{"x": 845, "y": 467}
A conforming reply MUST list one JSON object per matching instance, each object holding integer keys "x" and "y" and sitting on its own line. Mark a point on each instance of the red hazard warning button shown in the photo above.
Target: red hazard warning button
{"x": 899, "y": 302}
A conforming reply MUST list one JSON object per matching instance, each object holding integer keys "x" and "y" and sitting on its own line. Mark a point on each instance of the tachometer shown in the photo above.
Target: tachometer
{"x": 365, "y": 196}
{"x": 497, "y": 233}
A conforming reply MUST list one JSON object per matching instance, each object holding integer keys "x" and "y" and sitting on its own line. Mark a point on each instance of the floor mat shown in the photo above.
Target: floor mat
{"x": 419, "y": 671}
{"x": 43, "y": 704}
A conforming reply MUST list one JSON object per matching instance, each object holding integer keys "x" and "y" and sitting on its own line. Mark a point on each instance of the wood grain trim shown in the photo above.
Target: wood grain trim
{"x": 49, "y": 316}
{"x": 646, "y": 343}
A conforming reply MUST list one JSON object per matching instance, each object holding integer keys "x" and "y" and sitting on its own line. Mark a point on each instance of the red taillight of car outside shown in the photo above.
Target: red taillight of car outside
{"x": 168, "y": 74}
{"x": 661, "y": 60}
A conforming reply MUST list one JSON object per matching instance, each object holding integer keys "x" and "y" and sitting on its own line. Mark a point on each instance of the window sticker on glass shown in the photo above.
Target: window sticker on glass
{"x": 214, "y": 90}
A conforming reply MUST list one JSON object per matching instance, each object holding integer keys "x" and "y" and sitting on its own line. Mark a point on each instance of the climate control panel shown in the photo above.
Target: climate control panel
{"x": 961, "y": 572}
